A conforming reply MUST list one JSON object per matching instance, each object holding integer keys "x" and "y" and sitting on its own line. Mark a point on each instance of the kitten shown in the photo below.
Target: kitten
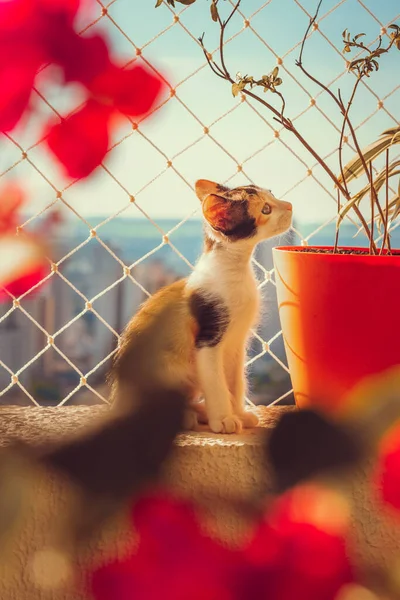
{"x": 191, "y": 336}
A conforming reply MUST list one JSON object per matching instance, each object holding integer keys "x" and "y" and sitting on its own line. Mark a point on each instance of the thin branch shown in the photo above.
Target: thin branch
{"x": 368, "y": 171}
{"x": 311, "y": 23}
{"x": 283, "y": 103}
{"x": 371, "y": 241}
{"x": 341, "y": 139}
{"x": 335, "y": 248}
{"x": 223, "y": 26}
{"x": 213, "y": 65}
{"x": 386, "y": 221}
{"x": 299, "y": 61}
{"x": 347, "y": 121}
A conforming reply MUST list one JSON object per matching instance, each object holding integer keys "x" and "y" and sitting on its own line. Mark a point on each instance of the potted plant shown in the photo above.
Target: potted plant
{"x": 338, "y": 305}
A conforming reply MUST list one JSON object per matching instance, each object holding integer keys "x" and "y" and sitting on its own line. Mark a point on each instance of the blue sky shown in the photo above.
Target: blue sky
{"x": 140, "y": 159}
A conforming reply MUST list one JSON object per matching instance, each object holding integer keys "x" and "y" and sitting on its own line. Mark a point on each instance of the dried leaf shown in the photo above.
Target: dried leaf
{"x": 158, "y": 3}
{"x": 214, "y": 12}
{"x": 354, "y": 167}
{"x": 358, "y": 36}
{"x": 345, "y": 209}
{"x": 346, "y": 49}
{"x": 275, "y": 72}
{"x": 235, "y": 89}
{"x": 278, "y": 81}
{"x": 392, "y": 131}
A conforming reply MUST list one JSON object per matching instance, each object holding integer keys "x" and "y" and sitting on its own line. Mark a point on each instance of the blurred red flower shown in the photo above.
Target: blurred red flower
{"x": 132, "y": 91}
{"x": 175, "y": 560}
{"x": 288, "y": 557}
{"x": 299, "y": 551}
{"x": 388, "y": 469}
{"x": 36, "y": 32}
{"x": 23, "y": 263}
{"x": 81, "y": 141}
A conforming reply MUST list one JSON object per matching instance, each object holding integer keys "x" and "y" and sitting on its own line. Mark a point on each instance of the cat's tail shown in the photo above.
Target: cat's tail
{"x": 105, "y": 467}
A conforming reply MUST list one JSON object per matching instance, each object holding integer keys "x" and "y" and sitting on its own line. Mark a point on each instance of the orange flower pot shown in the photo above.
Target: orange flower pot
{"x": 340, "y": 317}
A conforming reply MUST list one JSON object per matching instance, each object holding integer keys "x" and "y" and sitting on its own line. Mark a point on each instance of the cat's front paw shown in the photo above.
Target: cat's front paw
{"x": 249, "y": 419}
{"x": 190, "y": 421}
{"x": 230, "y": 424}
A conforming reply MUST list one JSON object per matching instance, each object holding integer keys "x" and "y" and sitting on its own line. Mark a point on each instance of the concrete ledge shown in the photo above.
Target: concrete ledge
{"x": 209, "y": 467}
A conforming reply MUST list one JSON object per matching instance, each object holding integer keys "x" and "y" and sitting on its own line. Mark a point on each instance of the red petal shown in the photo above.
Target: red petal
{"x": 26, "y": 264}
{"x": 132, "y": 91}
{"x": 81, "y": 141}
{"x": 24, "y": 283}
{"x": 85, "y": 59}
{"x": 67, "y": 8}
{"x": 11, "y": 199}
{"x": 82, "y": 58}
{"x": 172, "y": 555}
{"x": 388, "y": 473}
{"x": 16, "y": 82}
{"x": 15, "y": 15}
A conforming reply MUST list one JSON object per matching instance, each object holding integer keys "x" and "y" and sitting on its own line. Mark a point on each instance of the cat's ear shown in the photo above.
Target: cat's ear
{"x": 204, "y": 188}
{"x": 216, "y": 212}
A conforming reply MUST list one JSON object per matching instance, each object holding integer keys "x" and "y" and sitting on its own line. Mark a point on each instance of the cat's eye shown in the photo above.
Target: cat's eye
{"x": 266, "y": 209}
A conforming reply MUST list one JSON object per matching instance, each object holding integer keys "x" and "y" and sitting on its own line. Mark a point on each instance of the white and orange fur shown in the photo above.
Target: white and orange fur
{"x": 192, "y": 335}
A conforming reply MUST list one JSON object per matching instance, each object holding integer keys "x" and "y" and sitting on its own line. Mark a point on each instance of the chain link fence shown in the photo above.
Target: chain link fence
{"x": 134, "y": 225}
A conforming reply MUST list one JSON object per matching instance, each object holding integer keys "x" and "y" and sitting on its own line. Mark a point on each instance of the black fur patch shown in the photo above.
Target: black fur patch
{"x": 242, "y": 224}
{"x": 250, "y": 189}
{"x": 221, "y": 189}
{"x": 243, "y": 230}
{"x": 212, "y": 317}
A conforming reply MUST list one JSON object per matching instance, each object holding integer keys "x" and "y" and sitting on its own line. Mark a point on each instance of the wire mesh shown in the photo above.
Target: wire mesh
{"x": 69, "y": 331}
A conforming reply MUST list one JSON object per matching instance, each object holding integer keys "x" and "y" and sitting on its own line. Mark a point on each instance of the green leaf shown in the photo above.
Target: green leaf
{"x": 214, "y": 12}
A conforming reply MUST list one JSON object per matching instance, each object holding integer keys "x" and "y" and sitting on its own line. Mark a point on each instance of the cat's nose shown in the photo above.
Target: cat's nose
{"x": 287, "y": 205}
